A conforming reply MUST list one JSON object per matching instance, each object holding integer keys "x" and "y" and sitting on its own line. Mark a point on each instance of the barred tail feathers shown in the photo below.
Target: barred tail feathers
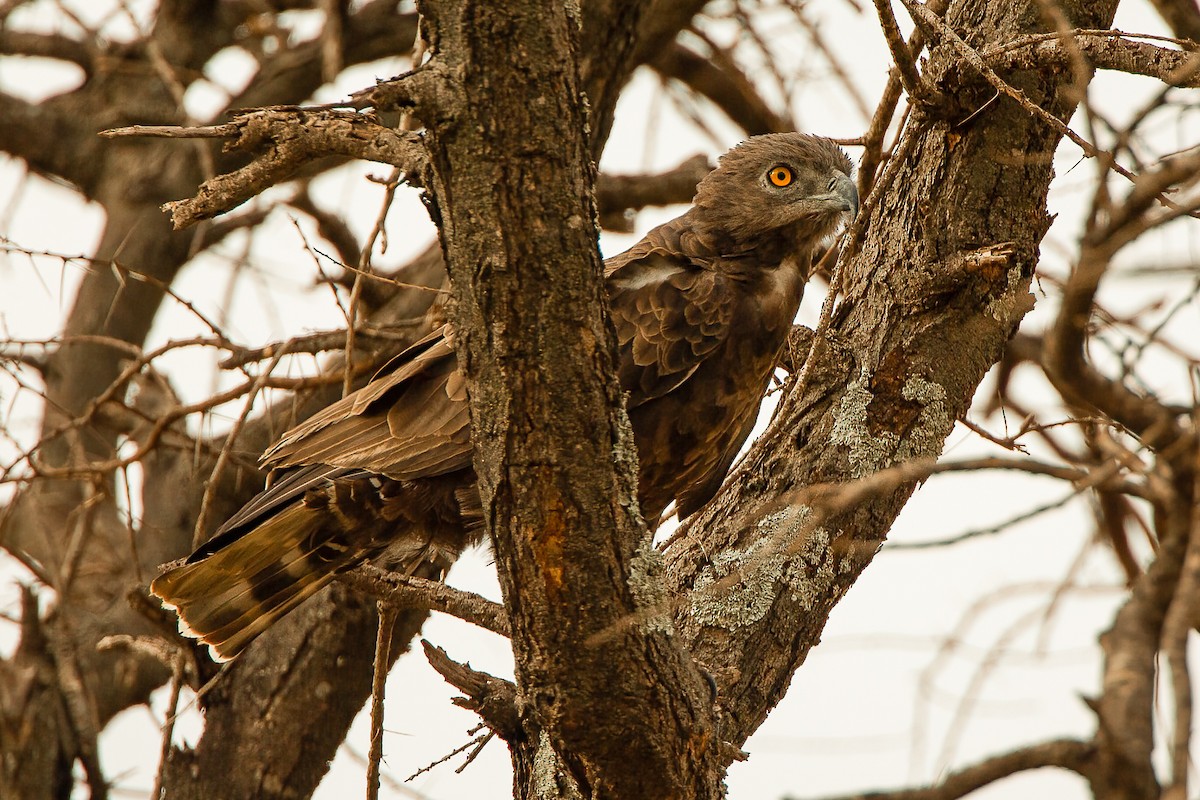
{"x": 231, "y": 596}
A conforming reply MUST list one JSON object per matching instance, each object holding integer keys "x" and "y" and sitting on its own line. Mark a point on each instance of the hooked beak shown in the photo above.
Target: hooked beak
{"x": 844, "y": 188}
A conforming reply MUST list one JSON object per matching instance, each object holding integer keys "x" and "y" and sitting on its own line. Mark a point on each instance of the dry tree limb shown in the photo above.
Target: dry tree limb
{"x": 1181, "y": 16}
{"x": 383, "y": 642}
{"x": 1183, "y": 614}
{"x": 1069, "y": 754}
{"x": 1124, "y": 740}
{"x": 881, "y": 120}
{"x": 616, "y": 195}
{"x": 47, "y": 45}
{"x": 493, "y": 699}
{"x": 1105, "y": 49}
{"x": 293, "y": 138}
{"x": 476, "y": 746}
{"x": 178, "y": 661}
{"x": 155, "y": 432}
{"x": 80, "y": 709}
{"x": 730, "y": 90}
{"x": 1063, "y": 348}
{"x": 836, "y": 67}
{"x": 200, "y": 531}
{"x": 320, "y": 342}
{"x": 937, "y": 29}
{"x": 364, "y": 270}
{"x": 408, "y": 591}
{"x": 332, "y": 227}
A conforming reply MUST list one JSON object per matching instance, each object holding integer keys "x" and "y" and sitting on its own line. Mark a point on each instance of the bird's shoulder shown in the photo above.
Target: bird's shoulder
{"x": 672, "y": 308}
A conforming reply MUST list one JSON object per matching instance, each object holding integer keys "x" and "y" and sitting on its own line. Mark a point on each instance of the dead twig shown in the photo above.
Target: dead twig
{"x": 410, "y": 591}
{"x": 383, "y": 645}
{"x": 293, "y": 137}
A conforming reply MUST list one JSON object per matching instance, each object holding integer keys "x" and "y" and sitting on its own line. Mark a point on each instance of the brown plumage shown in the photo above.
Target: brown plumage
{"x": 701, "y": 306}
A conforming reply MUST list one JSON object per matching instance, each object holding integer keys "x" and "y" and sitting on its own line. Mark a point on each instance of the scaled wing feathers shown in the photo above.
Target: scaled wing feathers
{"x": 670, "y": 314}
{"x": 411, "y": 421}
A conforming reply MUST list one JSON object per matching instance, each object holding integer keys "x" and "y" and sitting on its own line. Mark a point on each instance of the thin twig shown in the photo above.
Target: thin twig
{"x": 168, "y": 731}
{"x": 364, "y": 268}
{"x": 200, "y": 532}
{"x": 901, "y": 55}
{"x": 383, "y": 646}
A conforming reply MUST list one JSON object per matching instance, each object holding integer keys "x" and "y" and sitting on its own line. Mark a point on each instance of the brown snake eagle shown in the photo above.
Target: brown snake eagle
{"x": 702, "y": 307}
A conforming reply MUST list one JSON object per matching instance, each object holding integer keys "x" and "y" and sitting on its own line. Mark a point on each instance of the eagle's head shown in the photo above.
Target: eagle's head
{"x": 788, "y": 185}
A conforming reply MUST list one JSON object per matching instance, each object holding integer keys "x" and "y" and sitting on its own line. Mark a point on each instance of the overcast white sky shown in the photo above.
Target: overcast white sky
{"x": 934, "y": 659}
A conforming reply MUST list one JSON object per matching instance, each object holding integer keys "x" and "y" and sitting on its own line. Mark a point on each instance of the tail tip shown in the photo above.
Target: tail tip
{"x": 187, "y": 631}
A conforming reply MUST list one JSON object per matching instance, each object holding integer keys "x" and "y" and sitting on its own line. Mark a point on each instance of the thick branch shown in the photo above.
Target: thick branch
{"x": 560, "y": 501}
{"x": 45, "y": 45}
{"x": 732, "y": 92}
{"x": 1182, "y": 15}
{"x": 618, "y": 194}
{"x": 1078, "y": 381}
{"x": 930, "y": 298}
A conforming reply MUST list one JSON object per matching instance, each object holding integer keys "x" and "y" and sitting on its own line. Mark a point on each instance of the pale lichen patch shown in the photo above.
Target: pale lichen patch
{"x": 925, "y": 439}
{"x": 740, "y": 585}
{"x": 1010, "y": 305}
{"x": 646, "y": 581}
{"x": 550, "y": 778}
{"x": 812, "y": 573}
{"x": 868, "y": 452}
{"x": 737, "y": 588}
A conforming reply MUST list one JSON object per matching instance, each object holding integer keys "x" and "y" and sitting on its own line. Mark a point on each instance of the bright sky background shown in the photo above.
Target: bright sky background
{"x": 933, "y": 660}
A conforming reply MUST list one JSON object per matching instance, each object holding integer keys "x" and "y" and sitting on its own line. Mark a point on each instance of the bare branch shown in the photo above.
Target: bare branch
{"x": 379, "y": 672}
{"x": 1069, "y": 754}
{"x": 914, "y": 84}
{"x": 1183, "y": 614}
{"x": 1079, "y": 381}
{"x": 937, "y": 29}
{"x": 406, "y": 591}
{"x": 618, "y": 194}
{"x": 322, "y": 341}
{"x": 176, "y": 131}
{"x": 1181, "y": 16}
{"x": 881, "y": 120}
{"x": 46, "y": 45}
{"x": 730, "y": 90}
{"x": 494, "y": 699}
{"x": 293, "y": 137}
{"x": 1109, "y": 49}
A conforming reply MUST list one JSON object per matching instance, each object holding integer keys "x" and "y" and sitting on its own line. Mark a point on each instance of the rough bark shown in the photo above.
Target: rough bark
{"x": 131, "y": 178}
{"x": 931, "y": 296}
{"x": 627, "y": 713}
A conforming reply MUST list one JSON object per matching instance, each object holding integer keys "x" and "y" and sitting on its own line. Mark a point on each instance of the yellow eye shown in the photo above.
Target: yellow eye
{"x": 780, "y": 176}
